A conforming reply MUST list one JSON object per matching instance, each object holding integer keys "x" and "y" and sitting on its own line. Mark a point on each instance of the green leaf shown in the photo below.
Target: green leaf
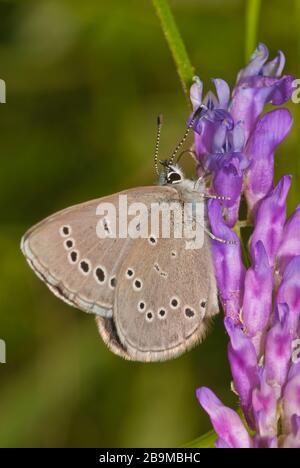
{"x": 205, "y": 441}
{"x": 176, "y": 45}
{"x": 252, "y": 19}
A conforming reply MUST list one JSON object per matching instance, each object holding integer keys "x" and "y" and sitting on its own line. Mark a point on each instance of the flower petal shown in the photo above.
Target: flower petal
{"x": 278, "y": 348}
{"x": 219, "y": 138}
{"x": 265, "y": 442}
{"x": 226, "y": 422}
{"x": 264, "y": 400}
{"x": 291, "y": 400}
{"x": 275, "y": 67}
{"x": 229, "y": 268}
{"x": 270, "y": 219}
{"x": 257, "y": 302}
{"x": 258, "y": 59}
{"x": 269, "y": 132}
{"x": 220, "y": 443}
{"x": 196, "y": 93}
{"x": 238, "y": 137}
{"x": 289, "y": 293}
{"x": 243, "y": 364}
{"x": 228, "y": 182}
{"x": 290, "y": 245}
{"x": 251, "y": 95}
{"x": 293, "y": 439}
{"x": 223, "y": 92}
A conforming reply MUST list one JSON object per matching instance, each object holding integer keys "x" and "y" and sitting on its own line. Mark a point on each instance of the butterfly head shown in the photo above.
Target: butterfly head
{"x": 171, "y": 175}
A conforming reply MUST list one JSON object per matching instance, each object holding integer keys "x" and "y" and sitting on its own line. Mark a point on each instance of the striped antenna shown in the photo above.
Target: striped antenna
{"x": 195, "y": 116}
{"x": 159, "y": 125}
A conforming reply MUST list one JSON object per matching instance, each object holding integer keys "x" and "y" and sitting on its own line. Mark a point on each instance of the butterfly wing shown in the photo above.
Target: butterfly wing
{"x": 164, "y": 308}
{"x": 78, "y": 266}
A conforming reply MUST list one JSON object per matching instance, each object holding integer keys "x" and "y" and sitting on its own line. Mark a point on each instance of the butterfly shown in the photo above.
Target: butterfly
{"x": 152, "y": 297}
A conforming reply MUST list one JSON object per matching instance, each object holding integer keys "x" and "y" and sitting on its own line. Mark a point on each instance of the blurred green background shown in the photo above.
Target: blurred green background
{"x": 85, "y": 81}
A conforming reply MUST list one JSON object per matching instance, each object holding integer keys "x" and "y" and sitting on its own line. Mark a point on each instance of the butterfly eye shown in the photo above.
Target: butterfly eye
{"x": 173, "y": 178}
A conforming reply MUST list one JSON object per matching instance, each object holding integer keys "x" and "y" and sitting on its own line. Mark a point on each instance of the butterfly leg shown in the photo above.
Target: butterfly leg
{"x": 207, "y": 195}
{"x": 214, "y": 197}
{"x": 216, "y": 238}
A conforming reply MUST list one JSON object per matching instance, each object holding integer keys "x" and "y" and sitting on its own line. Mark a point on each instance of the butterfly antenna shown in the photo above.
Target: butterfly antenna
{"x": 159, "y": 125}
{"x": 191, "y": 124}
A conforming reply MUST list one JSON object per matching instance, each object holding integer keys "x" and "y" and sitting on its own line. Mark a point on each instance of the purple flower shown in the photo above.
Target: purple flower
{"x": 212, "y": 116}
{"x": 229, "y": 268}
{"x": 290, "y": 243}
{"x": 262, "y": 303}
{"x": 226, "y": 422}
{"x": 269, "y": 132}
{"x": 270, "y": 219}
{"x": 258, "y": 84}
{"x": 229, "y": 138}
{"x": 257, "y": 301}
{"x": 289, "y": 293}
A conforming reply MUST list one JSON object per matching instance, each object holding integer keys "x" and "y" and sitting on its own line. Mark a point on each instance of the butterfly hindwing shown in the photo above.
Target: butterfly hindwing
{"x": 164, "y": 300}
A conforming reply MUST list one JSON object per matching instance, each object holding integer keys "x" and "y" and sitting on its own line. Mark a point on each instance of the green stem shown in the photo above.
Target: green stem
{"x": 184, "y": 67}
{"x": 205, "y": 441}
{"x": 252, "y": 19}
{"x": 237, "y": 230}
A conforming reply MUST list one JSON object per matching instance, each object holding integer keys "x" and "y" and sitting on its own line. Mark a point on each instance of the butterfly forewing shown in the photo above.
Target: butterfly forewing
{"x": 67, "y": 254}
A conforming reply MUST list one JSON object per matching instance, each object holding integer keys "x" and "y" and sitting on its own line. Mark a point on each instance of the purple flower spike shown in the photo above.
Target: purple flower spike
{"x": 262, "y": 305}
{"x": 278, "y": 348}
{"x": 229, "y": 267}
{"x": 268, "y": 134}
{"x": 270, "y": 219}
{"x": 289, "y": 293}
{"x": 257, "y": 302}
{"x": 243, "y": 362}
{"x": 290, "y": 245}
{"x": 226, "y": 422}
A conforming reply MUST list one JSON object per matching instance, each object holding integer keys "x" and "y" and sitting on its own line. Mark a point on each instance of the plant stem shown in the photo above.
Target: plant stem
{"x": 252, "y": 19}
{"x": 184, "y": 67}
{"x": 237, "y": 230}
{"x": 205, "y": 441}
